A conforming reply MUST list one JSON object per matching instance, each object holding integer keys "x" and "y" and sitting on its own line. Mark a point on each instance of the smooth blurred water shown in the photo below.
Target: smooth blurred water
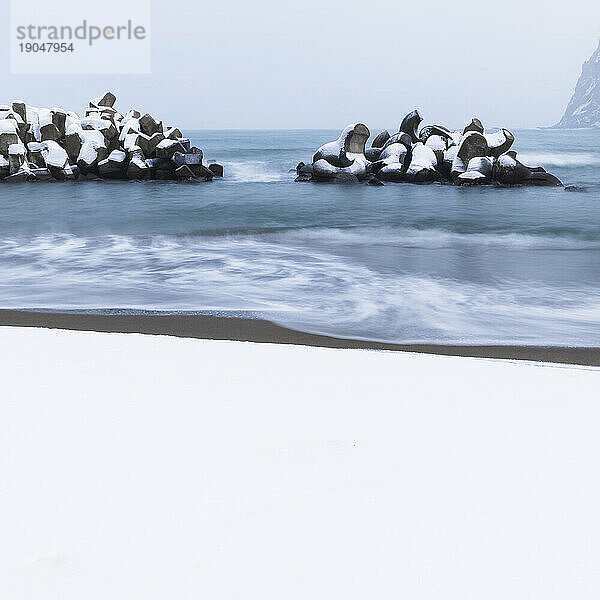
{"x": 398, "y": 263}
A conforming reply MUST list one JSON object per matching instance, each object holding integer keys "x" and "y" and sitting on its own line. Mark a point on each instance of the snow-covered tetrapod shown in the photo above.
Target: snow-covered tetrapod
{"x": 433, "y": 154}
{"x": 41, "y": 144}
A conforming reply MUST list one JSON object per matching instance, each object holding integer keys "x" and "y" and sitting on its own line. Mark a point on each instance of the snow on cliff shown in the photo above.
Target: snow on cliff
{"x": 584, "y": 108}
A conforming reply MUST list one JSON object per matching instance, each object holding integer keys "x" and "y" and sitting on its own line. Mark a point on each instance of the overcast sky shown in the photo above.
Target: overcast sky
{"x": 317, "y": 64}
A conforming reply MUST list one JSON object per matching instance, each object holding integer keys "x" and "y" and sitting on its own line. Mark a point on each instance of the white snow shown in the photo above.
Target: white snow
{"x": 450, "y": 154}
{"x": 472, "y": 175}
{"x": 45, "y": 116}
{"x": 496, "y": 139}
{"x": 130, "y": 141}
{"x": 169, "y": 131}
{"x": 423, "y": 158}
{"x": 148, "y": 467}
{"x": 129, "y": 126}
{"x": 16, "y": 116}
{"x": 117, "y": 156}
{"x": 93, "y": 140}
{"x": 3, "y": 161}
{"x": 33, "y": 117}
{"x": 393, "y": 154}
{"x": 436, "y": 142}
{"x": 75, "y": 128}
{"x": 8, "y": 126}
{"x": 54, "y": 154}
{"x": 137, "y": 157}
{"x": 507, "y": 161}
{"x": 94, "y": 123}
{"x": 17, "y": 150}
{"x": 167, "y": 143}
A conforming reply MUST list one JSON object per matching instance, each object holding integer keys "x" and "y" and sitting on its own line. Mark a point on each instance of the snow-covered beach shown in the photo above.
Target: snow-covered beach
{"x": 154, "y": 467}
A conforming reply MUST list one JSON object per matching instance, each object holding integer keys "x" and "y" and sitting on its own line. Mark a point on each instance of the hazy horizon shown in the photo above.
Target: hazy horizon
{"x": 267, "y": 65}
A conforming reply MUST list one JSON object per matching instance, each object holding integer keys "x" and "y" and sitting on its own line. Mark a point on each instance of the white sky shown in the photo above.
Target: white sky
{"x": 317, "y": 64}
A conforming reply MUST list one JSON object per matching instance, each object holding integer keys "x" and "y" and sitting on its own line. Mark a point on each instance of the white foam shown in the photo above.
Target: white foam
{"x": 556, "y": 159}
{"x": 253, "y": 171}
{"x": 309, "y": 280}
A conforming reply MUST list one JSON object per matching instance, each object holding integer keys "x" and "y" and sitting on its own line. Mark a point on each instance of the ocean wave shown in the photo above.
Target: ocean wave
{"x": 559, "y": 159}
{"x": 253, "y": 171}
{"x": 311, "y": 288}
{"x": 437, "y": 238}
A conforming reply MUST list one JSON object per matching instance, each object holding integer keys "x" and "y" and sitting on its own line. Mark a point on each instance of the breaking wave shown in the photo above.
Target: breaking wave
{"x": 566, "y": 160}
{"x": 287, "y": 277}
{"x": 253, "y": 171}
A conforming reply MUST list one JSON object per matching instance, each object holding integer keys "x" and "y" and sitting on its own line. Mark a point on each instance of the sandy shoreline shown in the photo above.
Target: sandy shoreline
{"x": 262, "y": 331}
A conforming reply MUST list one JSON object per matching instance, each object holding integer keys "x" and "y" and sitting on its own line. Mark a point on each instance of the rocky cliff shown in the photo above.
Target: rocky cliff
{"x": 584, "y": 108}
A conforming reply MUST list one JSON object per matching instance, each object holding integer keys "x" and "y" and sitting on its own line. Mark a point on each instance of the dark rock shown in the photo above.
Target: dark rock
{"x": 43, "y": 174}
{"x": 373, "y": 154}
{"x": 394, "y": 172}
{"x": 475, "y": 125}
{"x": 179, "y": 159}
{"x": 168, "y": 147}
{"x": 203, "y": 172}
{"x": 4, "y": 167}
{"x": 500, "y": 142}
{"x": 164, "y": 174}
{"x": 216, "y": 169}
{"x": 423, "y": 165}
{"x": 20, "y": 109}
{"x": 92, "y": 177}
{"x": 20, "y": 176}
{"x": 410, "y": 125}
{"x": 473, "y": 145}
{"x": 114, "y": 166}
{"x": 304, "y": 177}
{"x": 394, "y": 154}
{"x": 16, "y": 158}
{"x": 352, "y": 139}
{"x": 173, "y": 134}
{"x": 381, "y": 139}
{"x": 341, "y": 161}
{"x": 509, "y": 171}
{"x": 429, "y": 130}
{"x": 49, "y": 132}
{"x": 149, "y": 125}
{"x": 185, "y": 172}
{"x": 137, "y": 168}
{"x": 543, "y": 179}
{"x": 59, "y": 119}
{"x": 185, "y": 142}
{"x": 7, "y": 139}
{"x": 399, "y": 138}
{"x": 479, "y": 172}
{"x": 344, "y": 179}
{"x": 34, "y": 153}
{"x": 108, "y": 99}
{"x": 73, "y": 143}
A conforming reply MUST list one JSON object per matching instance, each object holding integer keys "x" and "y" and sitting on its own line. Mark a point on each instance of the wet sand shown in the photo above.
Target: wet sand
{"x": 256, "y": 330}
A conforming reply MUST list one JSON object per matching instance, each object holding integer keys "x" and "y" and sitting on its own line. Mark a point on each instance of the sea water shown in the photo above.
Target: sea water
{"x": 403, "y": 263}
